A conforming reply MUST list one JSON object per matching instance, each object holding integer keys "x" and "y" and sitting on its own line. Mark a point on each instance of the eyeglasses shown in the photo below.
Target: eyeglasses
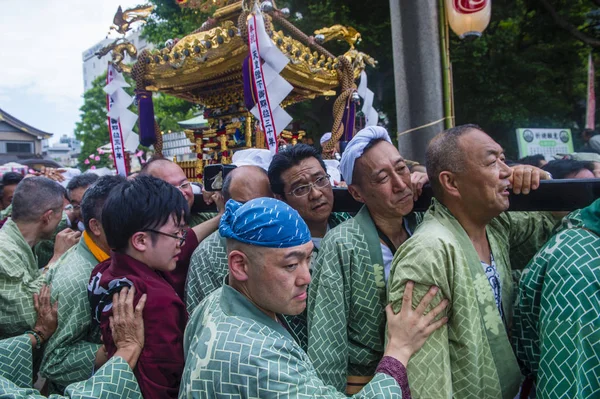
{"x": 302, "y": 191}
{"x": 184, "y": 186}
{"x": 73, "y": 207}
{"x": 181, "y": 239}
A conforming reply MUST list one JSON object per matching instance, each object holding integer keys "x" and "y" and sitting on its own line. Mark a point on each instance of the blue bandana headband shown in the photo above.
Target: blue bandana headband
{"x": 264, "y": 222}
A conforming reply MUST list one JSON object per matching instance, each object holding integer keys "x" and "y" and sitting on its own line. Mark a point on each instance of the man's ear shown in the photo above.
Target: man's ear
{"x": 449, "y": 183}
{"x": 46, "y": 217}
{"x": 238, "y": 265}
{"x": 140, "y": 241}
{"x": 95, "y": 227}
{"x": 355, "y": 193}
{"x": 279, "y": 197}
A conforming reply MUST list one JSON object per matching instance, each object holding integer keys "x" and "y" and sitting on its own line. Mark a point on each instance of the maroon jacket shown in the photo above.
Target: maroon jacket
{"x": 161, "y": 363}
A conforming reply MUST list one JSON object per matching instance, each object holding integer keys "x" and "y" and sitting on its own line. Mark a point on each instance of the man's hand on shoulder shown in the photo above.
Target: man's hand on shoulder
{"x": 409, "y": 329}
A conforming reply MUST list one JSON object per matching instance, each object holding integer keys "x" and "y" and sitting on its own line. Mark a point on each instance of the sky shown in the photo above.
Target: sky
{"x": 41, "y": 71}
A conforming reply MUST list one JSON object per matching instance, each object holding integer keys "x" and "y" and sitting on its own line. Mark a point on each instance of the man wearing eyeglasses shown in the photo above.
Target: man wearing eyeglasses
{"x": 76, "y": 189}
{"x": 172, "y": 173}
{"x": 169, "y": 171}
{"x": 144, "y": 220}
{"x": 298, "y": 177}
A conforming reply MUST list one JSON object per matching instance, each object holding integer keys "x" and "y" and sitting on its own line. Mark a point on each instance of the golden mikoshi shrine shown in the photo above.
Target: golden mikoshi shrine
{"x": 205, "y": 67}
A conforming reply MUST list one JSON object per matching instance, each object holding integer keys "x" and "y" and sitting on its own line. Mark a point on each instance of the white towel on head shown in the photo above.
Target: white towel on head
{"x": 252, "y": 156}
{"x": 357, "y": 145}
{"x": 324, "y": 138}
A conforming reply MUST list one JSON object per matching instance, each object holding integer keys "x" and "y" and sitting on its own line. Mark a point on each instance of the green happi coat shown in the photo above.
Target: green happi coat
{"x": 346, "y": 301}
{"x": 70, "y": 353}
{"x": 234, "y": 350}
{"x": 197, "y": 218}
{"x": 113, "y": 380}
{"x": 6, "y": 212}
{"x": 208, "y": 268}
{"x": 471, "y": 357}
{"x": 20, "y": 278}
{"x": 557, "y": 316}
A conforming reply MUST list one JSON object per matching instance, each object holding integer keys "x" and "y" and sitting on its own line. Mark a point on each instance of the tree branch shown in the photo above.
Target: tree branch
{"x": 571, "y": 29}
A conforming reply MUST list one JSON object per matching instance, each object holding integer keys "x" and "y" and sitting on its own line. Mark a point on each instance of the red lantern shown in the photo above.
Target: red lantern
{"x": 468, "y": 17}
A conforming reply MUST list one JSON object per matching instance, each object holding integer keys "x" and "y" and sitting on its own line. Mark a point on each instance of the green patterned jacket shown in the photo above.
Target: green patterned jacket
{"x": 113, "y": 380}
{"x": 470, "y": 357}
{"x": 208, "y": 268}
{"x": 20, "y": 278}
{"x": 346, "y": 301}
{"x": 235, "y": 351}
{"x": 200, "y": 217}
{"x": 70, "y": 353}
{"x": 557, "y": 316}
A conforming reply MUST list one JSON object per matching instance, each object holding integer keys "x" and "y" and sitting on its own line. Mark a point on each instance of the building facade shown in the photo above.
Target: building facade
{"x": 18, "y": 140}
{"x": 65, "y": 152}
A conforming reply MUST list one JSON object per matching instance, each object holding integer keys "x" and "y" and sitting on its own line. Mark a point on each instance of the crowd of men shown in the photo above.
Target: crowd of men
{"x": 277, "y": 296}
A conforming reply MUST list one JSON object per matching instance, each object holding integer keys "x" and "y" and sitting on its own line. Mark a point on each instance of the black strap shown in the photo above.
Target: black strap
{"x": 386, "y": 240}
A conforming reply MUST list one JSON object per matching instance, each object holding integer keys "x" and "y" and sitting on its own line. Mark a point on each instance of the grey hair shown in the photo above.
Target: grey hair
{"x": 445, "y": 155}
{"x": 34, "y": 196}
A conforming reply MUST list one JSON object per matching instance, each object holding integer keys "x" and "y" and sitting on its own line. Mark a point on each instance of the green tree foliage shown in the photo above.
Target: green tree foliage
{"x": 523, "y": 72}
{"x": 170, "y": 21}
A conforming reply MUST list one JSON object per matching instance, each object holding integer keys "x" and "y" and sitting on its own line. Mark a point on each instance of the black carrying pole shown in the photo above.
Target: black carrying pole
{"x": 552, "y": 195}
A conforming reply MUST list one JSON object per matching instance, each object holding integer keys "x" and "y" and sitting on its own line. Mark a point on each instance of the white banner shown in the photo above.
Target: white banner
{"x": 269, "y": 86}
{"x": 114, "y": 126}
{"x": 371, "y": 115}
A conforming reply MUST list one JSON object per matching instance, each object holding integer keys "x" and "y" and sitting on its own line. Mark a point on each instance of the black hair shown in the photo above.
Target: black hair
{"x": 34, "y": 196}
{"x": 94, "y": 198}
{"x": 561, "y": 168}
{"x": 444, "y": 154}
{"x": 139, "y": 205}
{"x": 287, "y": 159}
{"x": 10, "y": 178}
{"x": 82, "y": 180}
{"x": 533, "y": 160}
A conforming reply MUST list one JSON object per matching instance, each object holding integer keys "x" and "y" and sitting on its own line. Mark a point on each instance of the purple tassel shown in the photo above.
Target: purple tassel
{"x": 146, "y": 117}
{"x": 249, "y": 94}
{"x": 349, "y": 119}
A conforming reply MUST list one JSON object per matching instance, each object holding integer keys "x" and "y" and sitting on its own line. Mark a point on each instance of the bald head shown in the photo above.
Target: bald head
{"x": 172, "y": 173}
{"x": 245, "y": 183}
